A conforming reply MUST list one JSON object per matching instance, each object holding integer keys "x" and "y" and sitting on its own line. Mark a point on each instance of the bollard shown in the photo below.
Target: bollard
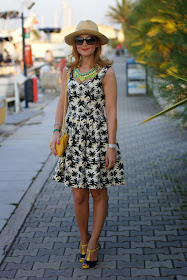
{"x": 35, "y": 89}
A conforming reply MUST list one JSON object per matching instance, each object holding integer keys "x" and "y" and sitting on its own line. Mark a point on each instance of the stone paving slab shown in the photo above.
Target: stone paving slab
{"x": 21, "y": 116}
{"x": 145, "y": 234}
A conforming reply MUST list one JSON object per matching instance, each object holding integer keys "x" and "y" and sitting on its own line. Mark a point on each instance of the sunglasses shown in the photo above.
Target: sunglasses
{"x": 89, "y": 40}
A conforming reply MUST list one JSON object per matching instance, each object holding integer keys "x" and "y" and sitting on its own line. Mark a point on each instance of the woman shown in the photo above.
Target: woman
{"x": 92, "y": 160}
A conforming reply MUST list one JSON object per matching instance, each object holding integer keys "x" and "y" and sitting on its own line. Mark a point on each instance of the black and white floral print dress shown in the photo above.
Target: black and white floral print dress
{"x": 83, "y": 164}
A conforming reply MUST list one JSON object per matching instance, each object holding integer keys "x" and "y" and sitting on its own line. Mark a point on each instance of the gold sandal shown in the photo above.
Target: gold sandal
{"x": 87, "y": 263}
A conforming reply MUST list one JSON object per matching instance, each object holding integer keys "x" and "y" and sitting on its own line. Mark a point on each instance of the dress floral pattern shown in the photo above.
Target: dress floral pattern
{"x": 83, "y": 163}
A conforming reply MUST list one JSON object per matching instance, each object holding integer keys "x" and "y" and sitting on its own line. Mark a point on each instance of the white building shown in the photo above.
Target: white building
{"x": 66, "y": 14}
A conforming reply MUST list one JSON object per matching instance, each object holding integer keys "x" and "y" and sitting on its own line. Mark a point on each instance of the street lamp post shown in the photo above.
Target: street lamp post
{"x": 29, "y": 4}
{"x": 24, "y": 65}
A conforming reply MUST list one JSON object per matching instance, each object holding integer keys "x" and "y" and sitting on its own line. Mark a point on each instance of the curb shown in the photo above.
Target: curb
{"x": 11, "y": 229}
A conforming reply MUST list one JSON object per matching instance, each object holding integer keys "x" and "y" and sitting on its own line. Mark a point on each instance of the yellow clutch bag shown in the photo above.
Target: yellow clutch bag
{"x": 60, "y": 149}
{"x": 63, "y": 142}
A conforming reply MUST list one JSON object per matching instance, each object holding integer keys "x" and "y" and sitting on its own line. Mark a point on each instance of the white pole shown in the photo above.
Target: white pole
{"x": 17, "y": 97}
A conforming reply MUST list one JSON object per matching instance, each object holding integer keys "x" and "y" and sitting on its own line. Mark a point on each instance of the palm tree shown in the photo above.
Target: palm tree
{"x": 119, "y": 14}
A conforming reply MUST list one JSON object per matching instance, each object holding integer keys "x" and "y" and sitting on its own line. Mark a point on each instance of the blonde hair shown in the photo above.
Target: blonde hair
{"x": 75, "y": 57}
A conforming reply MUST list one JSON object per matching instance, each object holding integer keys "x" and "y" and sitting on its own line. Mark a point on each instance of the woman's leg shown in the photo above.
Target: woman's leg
{"x": 100, "y": 208}
{"x": 81, "y": 206}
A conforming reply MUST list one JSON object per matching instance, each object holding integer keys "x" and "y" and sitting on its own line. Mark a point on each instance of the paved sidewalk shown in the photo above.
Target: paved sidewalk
{"x": 145, "y": 234}
{"x": 22, "y": 156}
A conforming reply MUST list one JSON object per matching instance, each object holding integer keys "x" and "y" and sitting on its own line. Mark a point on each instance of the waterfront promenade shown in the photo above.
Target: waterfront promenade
{"x": 145, "y": 234}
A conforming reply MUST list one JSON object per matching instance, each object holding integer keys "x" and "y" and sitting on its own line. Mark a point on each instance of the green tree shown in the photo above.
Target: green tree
{"x": 155, "y": 33}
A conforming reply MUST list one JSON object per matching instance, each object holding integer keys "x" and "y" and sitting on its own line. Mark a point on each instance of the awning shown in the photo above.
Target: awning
{"x": 9, "y": 14}
{"x": 50, "y": 30}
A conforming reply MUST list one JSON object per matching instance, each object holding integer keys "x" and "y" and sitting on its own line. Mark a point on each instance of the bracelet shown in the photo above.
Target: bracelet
{"x": 56, "y": 130}
{"x": 57, "y": 123}
{"x": 114, "y": 146}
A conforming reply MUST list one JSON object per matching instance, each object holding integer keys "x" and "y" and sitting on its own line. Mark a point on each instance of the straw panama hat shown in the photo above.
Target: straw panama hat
{"x": 86, "y": 27}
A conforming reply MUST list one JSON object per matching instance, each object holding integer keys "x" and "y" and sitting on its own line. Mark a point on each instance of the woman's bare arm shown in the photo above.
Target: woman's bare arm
{"x": 59, "y": 112}
{"x": 110, "y": 90}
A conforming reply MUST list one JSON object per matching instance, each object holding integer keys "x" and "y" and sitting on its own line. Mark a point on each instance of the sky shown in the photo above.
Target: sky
{"x": 46, "y": 10}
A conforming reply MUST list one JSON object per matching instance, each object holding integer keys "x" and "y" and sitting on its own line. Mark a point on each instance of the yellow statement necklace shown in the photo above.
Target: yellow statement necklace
{"x": 87, "y": 75}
